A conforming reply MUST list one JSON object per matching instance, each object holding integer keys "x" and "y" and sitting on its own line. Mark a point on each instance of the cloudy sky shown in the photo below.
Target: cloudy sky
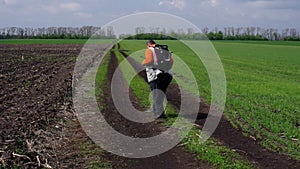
{"x": 211, "y": 13}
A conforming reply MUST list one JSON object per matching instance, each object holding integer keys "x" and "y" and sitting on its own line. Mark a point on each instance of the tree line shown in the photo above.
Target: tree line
{"x": 228, "y": 33}
{"x": 86, "y": 32}
{"x": 253, "y": 33}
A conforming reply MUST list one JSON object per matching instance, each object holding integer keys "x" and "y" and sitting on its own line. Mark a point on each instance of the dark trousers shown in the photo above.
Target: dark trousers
{"x": 158, "y": 89}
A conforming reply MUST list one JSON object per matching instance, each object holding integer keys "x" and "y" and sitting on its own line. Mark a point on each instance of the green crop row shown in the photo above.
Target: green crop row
{"x": 210, "y": 151}
{"x": 263, "y": 88}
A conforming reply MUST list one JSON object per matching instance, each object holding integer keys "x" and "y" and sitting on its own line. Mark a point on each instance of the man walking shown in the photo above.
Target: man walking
{"x": 158, "y": 78}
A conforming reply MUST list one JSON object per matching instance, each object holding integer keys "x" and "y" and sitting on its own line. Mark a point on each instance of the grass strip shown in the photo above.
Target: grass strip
{"x": 212, "y": 151}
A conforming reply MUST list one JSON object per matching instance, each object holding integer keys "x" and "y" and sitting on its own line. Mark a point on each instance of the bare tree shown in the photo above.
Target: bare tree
{"x": 285, "y": 32}
{"x": 247, "y": 30}
{"x": 180, "y": 31}
{"x": 238, "y": 30}
{"x": 139, "y": 30}
{"x": 163, "y": 31}
{"x": 258, "y": 29}
{"x": 293, "y": 32}
{"x": 205, "y": 30}
{"x": 232, "y": 31}
{"x": 252, "y": 30}
{"x": 190, "y": 31}
{"x": 225, "y": 32}
{"x": 216, "y": 30}
{"x": 110, "y": 32}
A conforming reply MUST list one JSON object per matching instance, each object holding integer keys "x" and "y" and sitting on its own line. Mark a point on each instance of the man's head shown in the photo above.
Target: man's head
{"x": 151, "y": 43}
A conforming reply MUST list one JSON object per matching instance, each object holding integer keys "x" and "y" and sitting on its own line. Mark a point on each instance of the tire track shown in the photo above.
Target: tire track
{"x": 176, "y": 158}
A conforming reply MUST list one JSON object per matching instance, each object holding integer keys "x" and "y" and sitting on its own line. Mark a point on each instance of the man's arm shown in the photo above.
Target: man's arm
{"x": 149, "y": 59}
{"x": 172, "y": 60}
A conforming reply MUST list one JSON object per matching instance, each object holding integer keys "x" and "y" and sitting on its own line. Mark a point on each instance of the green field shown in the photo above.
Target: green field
{"x": 284, "y": 43}
{"x": 263, "y": 90}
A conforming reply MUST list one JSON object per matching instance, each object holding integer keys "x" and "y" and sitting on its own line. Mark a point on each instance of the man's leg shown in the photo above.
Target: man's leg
{"x": 154, "y": 91}
{"x": 158, "y": 97}
{"x": 165, "y": 80}
{"x": 162, "y": 84}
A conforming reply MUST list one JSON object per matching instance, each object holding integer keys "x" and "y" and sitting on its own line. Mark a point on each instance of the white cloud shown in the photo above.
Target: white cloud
{"x": 258, "y": 4}
{"x": 212, "y": 3}
{"x": 63, "y": 7}
{"x": 179, "y": 4}
{"x": 211, "y": 13}
{"x": 50, "y": 9}
{"x": 83, "y": 15}
{"x": 71, "y": 6}
{"x": 9, "y": 2}
{"x": 274, "y": 4}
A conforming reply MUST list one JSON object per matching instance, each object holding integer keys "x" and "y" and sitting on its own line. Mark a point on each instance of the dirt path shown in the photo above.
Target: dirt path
{"x": 229, "y": 135}
{"x": 176, "y": 158}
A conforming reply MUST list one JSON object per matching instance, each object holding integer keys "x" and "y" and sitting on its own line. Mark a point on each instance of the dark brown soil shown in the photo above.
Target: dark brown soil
{"x": 227, "y": 134}
{"x": 35, "y": 86}
{"x": 38, "y": 126}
